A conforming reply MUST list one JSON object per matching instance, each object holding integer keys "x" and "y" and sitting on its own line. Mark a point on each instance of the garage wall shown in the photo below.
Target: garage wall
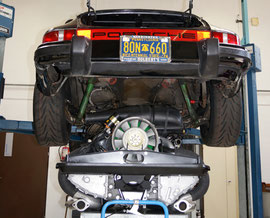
{"x": 264, "y": 121}
{"x": 34, "y": 17}
{"x": 260, "y": 35}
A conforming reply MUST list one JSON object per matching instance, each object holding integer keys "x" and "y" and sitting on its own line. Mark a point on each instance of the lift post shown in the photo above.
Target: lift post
{"x": 253, "y": 165}
{"x": 6, "y": 31}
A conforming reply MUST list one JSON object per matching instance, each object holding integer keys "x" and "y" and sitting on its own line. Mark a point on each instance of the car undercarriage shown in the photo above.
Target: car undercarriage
{"x": 134, "y": 109}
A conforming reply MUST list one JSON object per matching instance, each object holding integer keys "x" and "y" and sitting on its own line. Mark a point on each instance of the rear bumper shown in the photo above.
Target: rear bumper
{"x": 212, "y": 61}
{"x": 134, "y": 163}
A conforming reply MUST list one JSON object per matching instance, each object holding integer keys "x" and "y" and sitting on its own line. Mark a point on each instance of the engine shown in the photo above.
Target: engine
{"x": 126, "y": 161}
{"x": 166, "y": 189}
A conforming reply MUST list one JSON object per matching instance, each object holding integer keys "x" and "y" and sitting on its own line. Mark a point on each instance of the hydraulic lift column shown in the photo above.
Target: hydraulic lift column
{"x": 2, "y": 80}
{"x": 249, "y": 163}
{"x": 6, "y": 30}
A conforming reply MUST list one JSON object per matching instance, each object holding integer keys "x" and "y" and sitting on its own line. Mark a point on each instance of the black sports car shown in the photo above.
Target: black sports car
{"x": 134, "y": 80}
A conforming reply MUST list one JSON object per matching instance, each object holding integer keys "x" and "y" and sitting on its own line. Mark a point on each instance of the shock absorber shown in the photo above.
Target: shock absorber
{"x": 85, "y": 100}
{"x": 191, "y": 110}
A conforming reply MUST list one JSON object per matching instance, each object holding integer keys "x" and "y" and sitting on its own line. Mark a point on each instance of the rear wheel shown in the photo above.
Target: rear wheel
{"x": 50, "y": 124}
{"x": 224, "y": 126}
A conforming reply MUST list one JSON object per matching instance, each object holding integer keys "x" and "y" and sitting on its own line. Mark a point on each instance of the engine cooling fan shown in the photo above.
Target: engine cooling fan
{"x": 135, "y": 133}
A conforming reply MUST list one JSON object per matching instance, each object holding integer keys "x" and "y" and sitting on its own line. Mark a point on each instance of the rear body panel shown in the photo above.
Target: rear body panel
{"x": 192, "y": 57}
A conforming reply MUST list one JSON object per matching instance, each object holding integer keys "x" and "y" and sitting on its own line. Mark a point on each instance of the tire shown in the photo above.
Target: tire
{"x": 50, "y": 125}
{"x": 225, "y": 122}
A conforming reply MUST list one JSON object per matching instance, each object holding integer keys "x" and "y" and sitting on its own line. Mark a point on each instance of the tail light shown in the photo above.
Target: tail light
{"x": 51, "y": 36}
{"x": 227, "y": 38}
{"x": 66, "y": 35}
{"x": 203, "y": 35}
{"x": 57, "y": 36}
{"x": 85, "y": 33}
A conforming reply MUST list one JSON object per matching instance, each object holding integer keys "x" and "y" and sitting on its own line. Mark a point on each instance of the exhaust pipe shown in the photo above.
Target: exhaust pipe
{"x": 185, "y": 204}
{"x": 81, "y": 205}
{"x": 199, "y": 191}
{"x": 84, "y": 201}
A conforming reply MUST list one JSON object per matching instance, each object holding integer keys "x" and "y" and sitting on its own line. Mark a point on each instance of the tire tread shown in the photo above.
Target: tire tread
{"x": 50, "y": 125}
{"x": 225, "y": 119}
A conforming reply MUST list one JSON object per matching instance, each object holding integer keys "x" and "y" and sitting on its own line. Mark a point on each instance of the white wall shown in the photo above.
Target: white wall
{"x": 56, "y": 198}
{"x": 32, "y": 19}
{"x": 260, "y": 36}
{"x": 222, "y": 200}
{"x": 264, "y": 121}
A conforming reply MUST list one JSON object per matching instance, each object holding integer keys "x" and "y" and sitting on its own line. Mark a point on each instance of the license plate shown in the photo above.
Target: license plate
{"x": 145, "y": 49}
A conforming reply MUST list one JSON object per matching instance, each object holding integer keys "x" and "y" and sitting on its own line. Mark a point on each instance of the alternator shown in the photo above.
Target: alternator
{"x": 135, "y": 133}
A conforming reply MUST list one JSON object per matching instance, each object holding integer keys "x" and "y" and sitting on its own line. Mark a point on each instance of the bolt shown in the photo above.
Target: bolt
{"x": 118, "y": 177}
{"x": 110, "y": 186}
{"x": 154, "y": 191}
{"x": 110, "y": 195}
{"x": 153, "y": 182}
{"x": 86, "y": 179}
{"x": 204, "y": 47}
{"x": 117, "y": 197}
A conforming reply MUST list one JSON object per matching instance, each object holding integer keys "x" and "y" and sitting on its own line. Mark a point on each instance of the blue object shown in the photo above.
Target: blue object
{"x": 128, "y": 202}
{"x": 23, "y": 127}
{"x": 255, "y": 57}
{"x": 6, "y": 20}
{"x": 253, "y": 119}
{"x": 241, "y": 141}
{"x": 245, "y": 22}
{"x": 2, "y": 85}
{"x": 26, "y": 127}
{"x": 192, "y": 142}
{"x": 254, "y": 144}
{"x": 192, "y": 131}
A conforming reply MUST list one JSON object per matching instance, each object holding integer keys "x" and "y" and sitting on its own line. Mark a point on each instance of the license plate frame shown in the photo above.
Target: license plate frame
{"x": 145, "y": 49}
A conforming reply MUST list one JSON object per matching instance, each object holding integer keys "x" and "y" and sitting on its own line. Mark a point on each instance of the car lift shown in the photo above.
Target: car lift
{"x": 250, "y": 196}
